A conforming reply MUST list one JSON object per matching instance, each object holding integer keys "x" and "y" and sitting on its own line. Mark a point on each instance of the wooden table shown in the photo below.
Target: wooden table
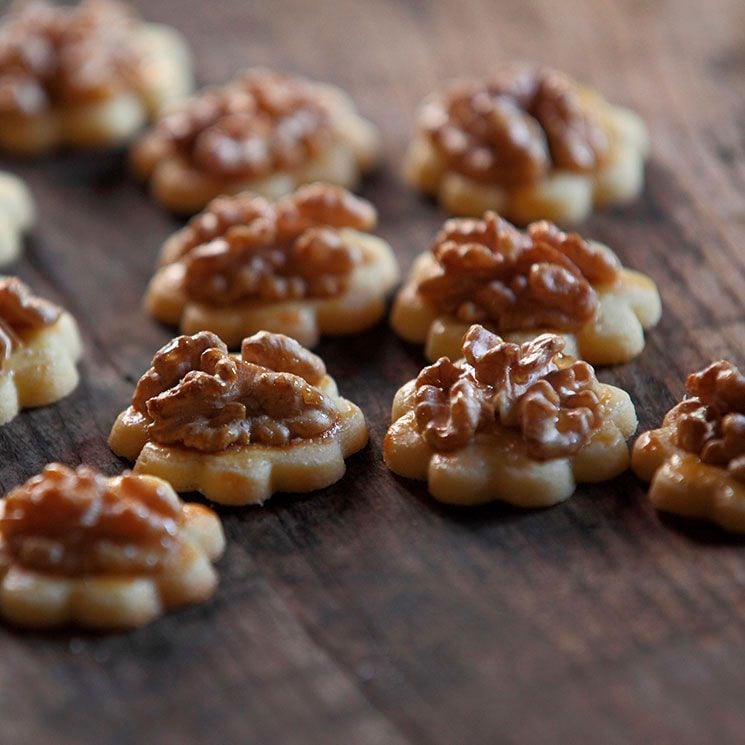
{"x": 366, "y": 614}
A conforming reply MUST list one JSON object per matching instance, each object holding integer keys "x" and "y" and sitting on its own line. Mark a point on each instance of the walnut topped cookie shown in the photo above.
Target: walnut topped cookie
{"x": 304, "y": 265}
{"x": 523, "y": 283}
{"x": 517, "y": 423}
{"x": 264, "y": 132}
{"x": 696, "y": 460}
{"x": 17, "y": 214}
{"x": 105, "y": 553}
{"x": 529, "y": 143}
{"x": 239, "y": 428}
{"x": 87, "y": 76}
{"x": 39, "y": 348}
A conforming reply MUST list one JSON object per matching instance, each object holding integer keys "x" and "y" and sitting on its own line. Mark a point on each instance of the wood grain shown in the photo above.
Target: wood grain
{"x": 366, "y": 613}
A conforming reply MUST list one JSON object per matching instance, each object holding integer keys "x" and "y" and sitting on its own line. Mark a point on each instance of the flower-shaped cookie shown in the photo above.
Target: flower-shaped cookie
{"x": 16, "y": 216}
{"x": 239, "y": 428}
{"x": 85, "y": 76}
{"x": 696, "y": 460}
{"x": 302, "y": 266}
{"x": 520, "y": 284}
{"x": 518, "y": 423}
{"x": 39, "y": 346}
{"x": 105, "y": 553}
{"x": 263, "y": 132}
{"x": 530, "y": 144}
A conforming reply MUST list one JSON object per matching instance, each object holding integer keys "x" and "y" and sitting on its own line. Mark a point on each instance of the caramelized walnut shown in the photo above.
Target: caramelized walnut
{"x": 78, "y": 522}
{"x": 510, "y": 369}
{"x": 246, "y": 247}
{"x": 560, "y": 413}
{"x": 261, "y": 123}
{"x": 721, "y": 385}
{"x": 513, "y": 129}
{"x": 51, "y": 56}
{"x": 541, "y": 278}
{"x": 531, "y": 387}
{"x": 449, "y": 405}
{"x": 20, "y": 312}
{"x": 597, "y": 266}
{"x": 283, "y": 354}
{"x": 171, "y": 363}
{"x": 323, "y": 204}
{"x": 711, "y": 421}
{"x": 198, "y": 396}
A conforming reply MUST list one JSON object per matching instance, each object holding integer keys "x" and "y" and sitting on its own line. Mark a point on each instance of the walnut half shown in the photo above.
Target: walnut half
{"x": 532, "y": 387}
{"x": 197, "y": 395}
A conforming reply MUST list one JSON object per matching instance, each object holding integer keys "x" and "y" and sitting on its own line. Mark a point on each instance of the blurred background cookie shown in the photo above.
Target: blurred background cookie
{"x": 529, "y": 143}
{"x": 89, "y": 75}
{"x": 264, "y": 132}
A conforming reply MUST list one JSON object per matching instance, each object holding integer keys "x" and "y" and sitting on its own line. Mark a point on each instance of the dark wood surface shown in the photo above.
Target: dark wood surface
{"x": 366, "y": 614}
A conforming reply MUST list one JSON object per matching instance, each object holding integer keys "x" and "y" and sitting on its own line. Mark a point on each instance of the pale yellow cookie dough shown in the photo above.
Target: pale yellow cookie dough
{"x": 17, "y": 215}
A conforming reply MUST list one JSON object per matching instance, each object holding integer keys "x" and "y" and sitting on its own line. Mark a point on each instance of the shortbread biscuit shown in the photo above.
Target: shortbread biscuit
{"x": 521, "y": 284}
{"x": 518, "y": 423}
{"x": 696, "y": 460}
{"x": 17, "y": 214}
{"x": 80, "y": 549}
{"x": 85, "y": 76}
{"x": 530, "y": 144}
{"x": 303, "y": 266}
{"x": 39, "y": 347}
{"x": 239, "y": 428}
{"x": 262, "y": 132}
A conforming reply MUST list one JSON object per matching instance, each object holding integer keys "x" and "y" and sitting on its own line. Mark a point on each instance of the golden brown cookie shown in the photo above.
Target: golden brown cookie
{"x": 239, "y": 428}
{"x": 520, "y": 284}
{"x": 39, "y": 348}
{"x": 81, "y": 549}
{"x": 86, "y": 76}
{"x": 263, "y": 132}
{"x": 696, "y": 460}
{"x": 519, "y": 423}
{"x": 17, "y": 214}
{"x": 304, "y": 266}
{"x": 529, "y": 143}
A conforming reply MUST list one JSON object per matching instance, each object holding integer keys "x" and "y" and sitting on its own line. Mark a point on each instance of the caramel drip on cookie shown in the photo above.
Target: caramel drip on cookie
{"x": 550, "y": 399}
{"x": 199, "y": 396}
{"x": 489, "y": 271}
{"x": 246, "y": 247}
{"x": 513, "y": 129}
